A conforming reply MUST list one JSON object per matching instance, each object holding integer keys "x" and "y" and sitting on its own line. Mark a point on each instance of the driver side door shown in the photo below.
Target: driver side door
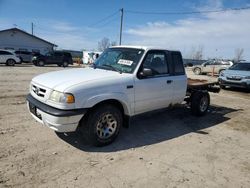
{"x": 155, "y": 91}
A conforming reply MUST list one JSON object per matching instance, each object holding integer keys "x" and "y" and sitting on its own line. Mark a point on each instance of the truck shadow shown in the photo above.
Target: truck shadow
{"x": 155, "y": 127}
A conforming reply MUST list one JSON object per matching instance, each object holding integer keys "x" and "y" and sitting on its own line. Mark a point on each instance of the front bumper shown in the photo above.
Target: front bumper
{"x": 240, "y": 84}
{"x": 56, "y": 119}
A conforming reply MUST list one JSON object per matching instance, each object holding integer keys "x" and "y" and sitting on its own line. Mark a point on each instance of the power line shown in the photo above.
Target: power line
{"x": 188, "y": 12}
{"x": 108, "y": 22}
{"x": 104, "y": 19}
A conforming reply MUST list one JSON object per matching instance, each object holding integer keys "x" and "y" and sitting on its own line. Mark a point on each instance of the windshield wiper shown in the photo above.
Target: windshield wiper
{"x": 113, "y": 68}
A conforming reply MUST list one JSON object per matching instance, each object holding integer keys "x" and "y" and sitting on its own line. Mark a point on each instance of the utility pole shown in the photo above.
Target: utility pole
{"x": 32, "y": 26}
{"x": 121, "y": 27}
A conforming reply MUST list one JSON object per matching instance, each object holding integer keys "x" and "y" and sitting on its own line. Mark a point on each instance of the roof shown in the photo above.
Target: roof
{"x": 16, "y": 29}
{"x": 128, "y": 46}
{"x": 141, "y": 47}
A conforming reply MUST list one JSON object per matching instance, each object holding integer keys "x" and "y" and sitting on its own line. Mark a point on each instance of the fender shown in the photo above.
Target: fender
{"x": 121, "y": 97}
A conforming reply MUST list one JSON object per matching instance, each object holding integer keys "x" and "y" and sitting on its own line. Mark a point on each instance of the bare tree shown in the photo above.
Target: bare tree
{"x": 238, "y": 54}
{"x": 199, "y": 53}
{"x": 103, "y": 44}
{"x": 113, "y": 43}
{"x": 196, "y": 53}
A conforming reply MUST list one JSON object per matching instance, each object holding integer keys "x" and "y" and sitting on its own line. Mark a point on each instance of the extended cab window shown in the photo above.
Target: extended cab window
{"x": 178, "y": 63}
{"x": 156, "y": 61}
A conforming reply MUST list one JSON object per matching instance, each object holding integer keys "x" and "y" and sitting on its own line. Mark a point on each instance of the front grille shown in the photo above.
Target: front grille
{"x": 234, "y": 78}
{"x": 38, "y": 91}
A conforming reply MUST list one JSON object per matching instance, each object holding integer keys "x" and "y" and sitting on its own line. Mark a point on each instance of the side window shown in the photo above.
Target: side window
{"x": 5, "y": 53}
{"x": 218, "y": 63}
{"x": 1, "y": 52}
{"x": 178, "y": 63}
{"x": 156, "y": 61}
{"x": 57, "y": 54}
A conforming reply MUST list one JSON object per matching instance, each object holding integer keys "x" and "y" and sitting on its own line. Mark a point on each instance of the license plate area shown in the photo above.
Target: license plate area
{"x": 33, "y": 110}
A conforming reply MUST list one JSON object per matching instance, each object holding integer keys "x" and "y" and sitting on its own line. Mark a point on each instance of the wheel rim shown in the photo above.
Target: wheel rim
{"x": 197, "y": 71}
{"x": 106, "y": 126}
{"x": 11, "y": 62}
{"x": 204, "y": 104}
{"x": 41, "y": 63}
{"x": 65, "y": 64}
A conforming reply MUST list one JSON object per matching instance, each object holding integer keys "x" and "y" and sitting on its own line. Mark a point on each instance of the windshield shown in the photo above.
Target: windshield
{"x": 119, "y": 59}
{"x": 241, "y": 66}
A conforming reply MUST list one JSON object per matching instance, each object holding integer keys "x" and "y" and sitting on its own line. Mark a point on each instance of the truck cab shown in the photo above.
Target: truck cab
{"x": 123, "y": 82}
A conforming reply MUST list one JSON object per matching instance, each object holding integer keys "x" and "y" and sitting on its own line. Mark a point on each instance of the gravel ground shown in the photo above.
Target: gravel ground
{"x": 168, "y": 148}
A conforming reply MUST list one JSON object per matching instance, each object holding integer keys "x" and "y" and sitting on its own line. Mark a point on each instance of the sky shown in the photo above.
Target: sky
{"x": 80, "y": 24}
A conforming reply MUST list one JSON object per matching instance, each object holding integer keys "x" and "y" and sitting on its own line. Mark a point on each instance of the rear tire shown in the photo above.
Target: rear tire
{"x": 65, "y": 64}
{"x": 10, "y": 62}
{"x": 200, "y": 102}
{"x": 41, "y": 63}
{"x": 197, "y": 71}
{"x": 222, "y": 87}
{"x": 102, "y": 125}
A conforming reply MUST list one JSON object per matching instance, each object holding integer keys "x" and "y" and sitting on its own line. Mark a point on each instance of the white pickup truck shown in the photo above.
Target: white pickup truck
{"x": 123, "y": 82}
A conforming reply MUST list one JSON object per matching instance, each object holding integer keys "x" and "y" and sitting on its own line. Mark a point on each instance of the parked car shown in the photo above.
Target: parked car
{"x": 192, "y": 62}
{"x": 236, "y": 76}
{"x": 123, "y": 82}
{"x": 8, "y": 57}
{"x": 57, "y": 57}
{"x": 25, "y": 56}
{"x": 212, "y": 66}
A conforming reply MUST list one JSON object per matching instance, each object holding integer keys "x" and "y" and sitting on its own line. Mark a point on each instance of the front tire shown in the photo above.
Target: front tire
{"x": 220, "y": 71}
{"x": 10, "y": 62}
{"x": 102, "y": 125}
{"x": 200, "y": 102}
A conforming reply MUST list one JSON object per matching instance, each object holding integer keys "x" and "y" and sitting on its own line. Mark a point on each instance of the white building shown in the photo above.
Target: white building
{"x": 16, "y": 39}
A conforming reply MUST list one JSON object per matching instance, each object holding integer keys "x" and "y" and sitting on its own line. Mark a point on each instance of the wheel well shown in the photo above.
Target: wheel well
{"x": 221, "y": 70}
{"x": 112, "y": 102}
{"x": 10, "y": 59}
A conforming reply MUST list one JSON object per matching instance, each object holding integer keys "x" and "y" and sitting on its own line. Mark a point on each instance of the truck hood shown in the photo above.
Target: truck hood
{"x": 61, "y": 80}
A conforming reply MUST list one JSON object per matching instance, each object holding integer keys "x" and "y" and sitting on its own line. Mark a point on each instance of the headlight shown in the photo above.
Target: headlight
{"x": 34, "y": 58}
{"x": 222, "y": 74}
{"x": 62, "y": 97}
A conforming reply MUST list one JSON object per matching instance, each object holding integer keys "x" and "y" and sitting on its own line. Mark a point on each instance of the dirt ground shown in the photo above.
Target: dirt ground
{"x": 168, "y": 148}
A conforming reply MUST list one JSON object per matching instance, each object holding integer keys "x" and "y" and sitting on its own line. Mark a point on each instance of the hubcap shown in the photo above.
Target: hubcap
{"x": 106, "y": 126}
{"x": 197, "y": 71}
{"x": 204, "y": 104}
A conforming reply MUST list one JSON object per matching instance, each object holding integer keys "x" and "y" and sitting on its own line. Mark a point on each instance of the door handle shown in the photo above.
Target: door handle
{"x": 169, "y": 81}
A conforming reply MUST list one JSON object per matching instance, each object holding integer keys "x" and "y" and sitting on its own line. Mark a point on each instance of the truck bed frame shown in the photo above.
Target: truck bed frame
{"x": 202, "y": 85}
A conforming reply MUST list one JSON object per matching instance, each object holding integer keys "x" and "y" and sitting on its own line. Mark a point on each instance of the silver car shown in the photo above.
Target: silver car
{"x": 212, "y": 66}
{"x": 236, "y": 76}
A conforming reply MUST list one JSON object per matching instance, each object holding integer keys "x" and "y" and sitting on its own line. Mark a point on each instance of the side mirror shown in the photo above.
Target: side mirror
{"x": 146, "y": 72}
